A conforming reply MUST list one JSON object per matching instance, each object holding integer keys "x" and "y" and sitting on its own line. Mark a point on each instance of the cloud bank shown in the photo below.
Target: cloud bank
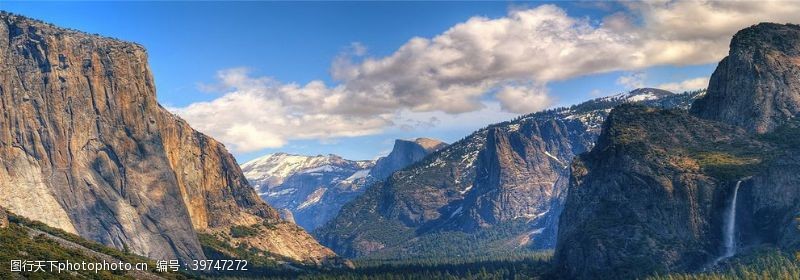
{"x": 509, "y": 60}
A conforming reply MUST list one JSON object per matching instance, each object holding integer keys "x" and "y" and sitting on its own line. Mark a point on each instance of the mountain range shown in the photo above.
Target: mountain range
{"x": 496, "y": 191}
{"x": 312, "y": 189}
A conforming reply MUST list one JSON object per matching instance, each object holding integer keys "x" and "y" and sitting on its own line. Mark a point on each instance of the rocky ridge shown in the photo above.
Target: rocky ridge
{"x": 480, "y": 186}
{"x": 648, "y": 197}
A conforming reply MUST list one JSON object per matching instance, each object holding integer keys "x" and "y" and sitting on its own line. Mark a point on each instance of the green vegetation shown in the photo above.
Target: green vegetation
{"x": 215, "y": 248}
{"x": 260, "y": 263}
{"x": 530, "y": 266}
{"x": 765, "y": 263}
{"x": 18, "y": 243}
{"x": 492, "y": 243}
{"x": 786, "y": 136}
{"x": 243, "y": 231}
{"x": 728, "y": 166}
{"x": 738, "y": 160}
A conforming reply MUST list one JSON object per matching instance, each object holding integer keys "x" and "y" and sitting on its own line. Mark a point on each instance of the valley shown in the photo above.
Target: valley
{"x": 647, "y": 183}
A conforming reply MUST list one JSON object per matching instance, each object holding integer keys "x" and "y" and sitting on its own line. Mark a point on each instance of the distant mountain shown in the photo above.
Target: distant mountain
{"x": 404, "y": 153}
{"x": 496, "y": 191}
{"x": 312, "y": 189}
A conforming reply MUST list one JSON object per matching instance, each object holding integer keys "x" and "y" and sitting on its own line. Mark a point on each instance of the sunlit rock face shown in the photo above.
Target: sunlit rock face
{"x": 3, "y": 218}
{"x": 757, "y": 86}
{"x": 404, "y": 153}
{"x": 86, "y": 148}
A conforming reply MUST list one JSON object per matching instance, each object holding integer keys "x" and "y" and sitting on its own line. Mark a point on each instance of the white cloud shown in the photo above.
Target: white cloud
{"x": 456, "y": 71}
{"x": 259, "y": 113}
{"x": 632, "y": 81}
{"x": 523, "y": 99}
{"x": 686, "y": 85}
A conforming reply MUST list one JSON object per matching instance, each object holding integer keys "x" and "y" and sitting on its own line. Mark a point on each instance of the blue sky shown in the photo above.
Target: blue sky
{"x": 189, "y": 43}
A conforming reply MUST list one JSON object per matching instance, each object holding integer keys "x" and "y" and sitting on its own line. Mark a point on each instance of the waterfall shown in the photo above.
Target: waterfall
{"x": 730, "y": 225}
{"x": 729, "y": 233}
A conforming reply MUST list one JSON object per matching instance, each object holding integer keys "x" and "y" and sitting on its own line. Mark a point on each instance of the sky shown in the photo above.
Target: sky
{"x": 348, "y": 78}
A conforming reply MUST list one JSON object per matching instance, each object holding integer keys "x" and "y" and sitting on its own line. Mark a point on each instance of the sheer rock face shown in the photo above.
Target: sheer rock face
{"x": 518, "y": 169}
{"x": 213, "y": 187}
{"x": 403, "y": 154}
{"x": 86, "y": 148}
{"x": 652, "y": 196}
{"x": 758, "y": 85}
{"x": 640, "y": 202}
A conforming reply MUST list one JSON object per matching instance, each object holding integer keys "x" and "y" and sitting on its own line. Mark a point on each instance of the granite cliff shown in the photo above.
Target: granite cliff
{"x": 404, "y": 153}
{"x": 665, "y": 191}
{"x": 756, "y": 85}
{"x": 649, "y": 197}
{"x": 86, "y": 148}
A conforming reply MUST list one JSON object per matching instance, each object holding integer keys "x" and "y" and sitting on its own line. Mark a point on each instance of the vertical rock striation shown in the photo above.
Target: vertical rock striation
{"x": 85, "y": 147}
{"x": 518, "y": 169}
{"x": 757, "y": 86}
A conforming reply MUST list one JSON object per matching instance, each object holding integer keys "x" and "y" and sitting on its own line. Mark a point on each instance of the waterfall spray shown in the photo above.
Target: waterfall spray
{"x": 729, "y": 229}
{"x": 730, "y": 225}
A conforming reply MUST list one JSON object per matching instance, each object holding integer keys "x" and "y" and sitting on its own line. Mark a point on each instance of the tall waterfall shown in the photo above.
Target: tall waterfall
{"x": 729, "y": 233}
{"x": 730, "y": 225}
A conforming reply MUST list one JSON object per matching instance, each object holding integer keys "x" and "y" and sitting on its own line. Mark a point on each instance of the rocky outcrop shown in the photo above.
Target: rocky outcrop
{"x": 81, "y": 144}
{"x": 403, "y": 154}
{"x": 287, "y": 215}
{"x": 86, "y": 148}
{"x": 497, "y": 190}
{"x": 757, "y": 86}
{"x": 518, "y": 169}
{"x": 3, "y": 218}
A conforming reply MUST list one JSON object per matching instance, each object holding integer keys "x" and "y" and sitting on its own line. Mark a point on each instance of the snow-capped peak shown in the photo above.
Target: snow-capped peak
{"x": 277, "y": 167}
